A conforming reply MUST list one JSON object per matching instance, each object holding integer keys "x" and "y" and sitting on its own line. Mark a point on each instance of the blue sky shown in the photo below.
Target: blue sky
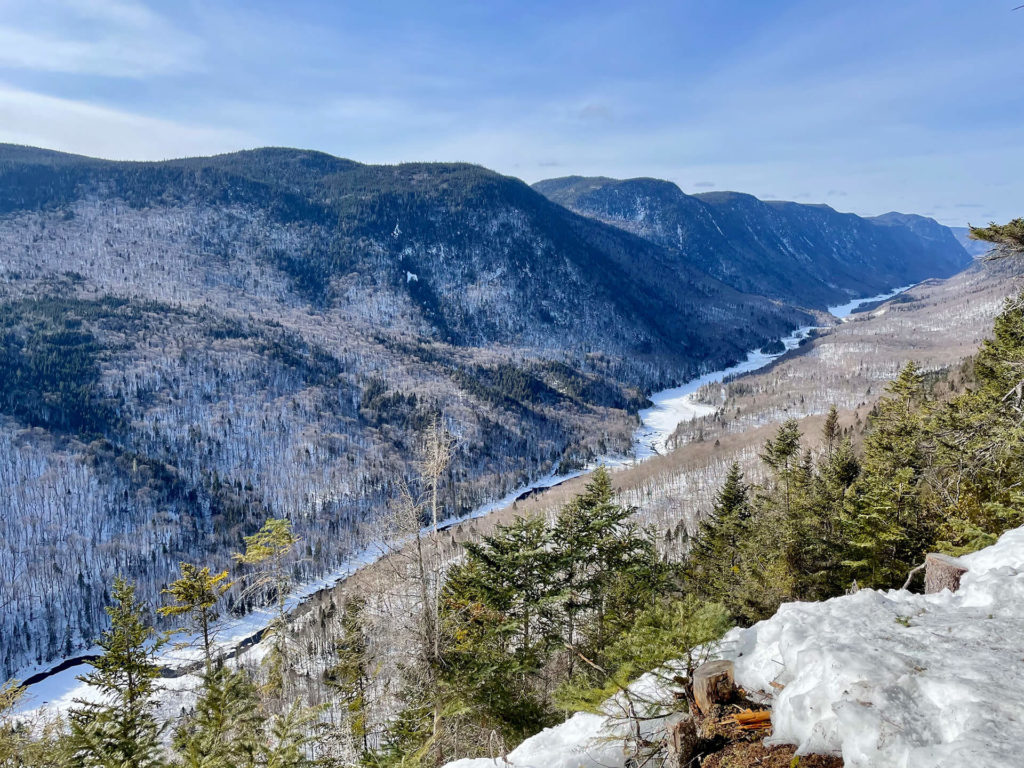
{"x": 870, "y": 106}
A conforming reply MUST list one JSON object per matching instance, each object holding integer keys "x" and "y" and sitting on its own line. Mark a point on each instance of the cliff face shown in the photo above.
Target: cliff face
{"x": 809, "y": 255}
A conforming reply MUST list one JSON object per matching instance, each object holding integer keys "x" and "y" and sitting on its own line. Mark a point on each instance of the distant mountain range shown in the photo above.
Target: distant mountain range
{"x": 807, "y": 255}
{"x": 975, "y": 248}
{"x": 190, "y": 346}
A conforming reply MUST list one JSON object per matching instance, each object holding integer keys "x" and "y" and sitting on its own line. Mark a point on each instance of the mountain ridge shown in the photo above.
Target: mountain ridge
{"x": 794, "y": 252}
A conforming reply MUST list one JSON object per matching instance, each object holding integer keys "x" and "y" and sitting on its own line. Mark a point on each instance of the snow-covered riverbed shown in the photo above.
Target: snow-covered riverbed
{"x": 671, "y": 408}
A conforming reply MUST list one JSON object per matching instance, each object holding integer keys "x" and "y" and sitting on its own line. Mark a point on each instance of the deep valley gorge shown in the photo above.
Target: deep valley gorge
{"x": 177, "y": 333}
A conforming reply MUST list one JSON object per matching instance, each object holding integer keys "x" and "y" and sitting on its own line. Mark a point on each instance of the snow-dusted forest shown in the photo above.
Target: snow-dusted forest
{"x": 190, "y": 348}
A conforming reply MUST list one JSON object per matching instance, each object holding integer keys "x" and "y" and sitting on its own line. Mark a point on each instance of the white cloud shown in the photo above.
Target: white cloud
{"x": 113, "y": 38}
{"x": 83, "y": 128}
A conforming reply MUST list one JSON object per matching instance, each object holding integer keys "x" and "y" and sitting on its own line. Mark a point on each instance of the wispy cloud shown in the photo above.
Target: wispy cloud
{"x": 83, "y": 128}
{"x": 110, "y": 38}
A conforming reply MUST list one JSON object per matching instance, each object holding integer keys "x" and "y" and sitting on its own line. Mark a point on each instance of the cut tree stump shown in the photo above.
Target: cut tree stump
{"x": 942, "y": 572}
{"x": 713, "y": 684}
{"x": 682, "y": 743}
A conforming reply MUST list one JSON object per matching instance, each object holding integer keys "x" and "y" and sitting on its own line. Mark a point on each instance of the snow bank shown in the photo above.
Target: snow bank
{"x": 900, "y": 680}
{"x": 586, "y": 740}
{"x": 886, "y": 679}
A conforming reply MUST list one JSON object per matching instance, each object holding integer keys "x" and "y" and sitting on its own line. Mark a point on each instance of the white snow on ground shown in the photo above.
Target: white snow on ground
{"x": 586, "y": 740}
{"x": 674, "y": 406}
{"x": 885, "y": 679}
{"x": 671, "y": 408}
{"x": 900, "y": 680}
{"x": 843, "y": 311}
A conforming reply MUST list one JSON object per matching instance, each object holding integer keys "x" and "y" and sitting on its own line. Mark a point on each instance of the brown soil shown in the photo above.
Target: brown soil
{"x": 755, "y": 753}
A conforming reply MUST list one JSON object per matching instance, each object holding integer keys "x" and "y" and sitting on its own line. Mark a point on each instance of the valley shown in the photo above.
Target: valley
{"x": 175, "y": 333}
{"x": 672, "y": 409}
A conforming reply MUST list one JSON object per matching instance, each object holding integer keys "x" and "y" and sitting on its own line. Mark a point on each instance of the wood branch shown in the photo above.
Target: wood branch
{"x": 913, "y": 571}
{"x": 749, "y": 720}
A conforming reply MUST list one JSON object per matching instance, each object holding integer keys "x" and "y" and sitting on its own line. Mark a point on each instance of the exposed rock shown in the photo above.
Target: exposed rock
{"x": 942, "y": 572}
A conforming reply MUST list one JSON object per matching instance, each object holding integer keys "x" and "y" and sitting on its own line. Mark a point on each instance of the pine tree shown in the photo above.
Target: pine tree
{"x": 888, "y": 527}
{"x": 979, "y": 442}
{"x": 289, "y": 742}
{"x": 269, "y": 549}
{"x": 1008, "y": 238}
{"x": 351, "y": 675}
{"x": 596, "y": 545}
{"x": 196, "y": 595}
{"x": 836, "y": 472}
{"x": 121, "y": 731}
{"x": 225, "y": 728}
{"x": 714, "y": 562}
{"x": 514, "y": 571}
{"x": 782, "y": 455}
{"x": 830, "y": 431}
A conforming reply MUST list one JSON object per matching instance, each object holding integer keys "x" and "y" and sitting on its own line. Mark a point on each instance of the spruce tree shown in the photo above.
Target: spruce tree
{"x": 224, "y": 730}
{"x": 888, "y": 526}
{"x": 595, "y": 547}
{"x": 351, "y": 675}
{"x": 514, "y": 571}
{"x": 121, "y": 729}
{"x": 714, "y": 561}
{"x": 196, "y": 595}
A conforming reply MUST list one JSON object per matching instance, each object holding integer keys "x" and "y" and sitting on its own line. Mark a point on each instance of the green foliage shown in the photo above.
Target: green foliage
{"x": 526, "y": 603}
{"x": 668, "y": 630}
{"x": 1009, "y": 237}
{"x": 352, "y": 674}
{"x": 888, "y": 526}
{"x": 122, "y": 731}
{"x": 715, "y": 558}
{"x": 224, "y": 730}
{"x": 50, "y": 365}
{"x": 268, "y": 549}
{"x": 196, "y": 595}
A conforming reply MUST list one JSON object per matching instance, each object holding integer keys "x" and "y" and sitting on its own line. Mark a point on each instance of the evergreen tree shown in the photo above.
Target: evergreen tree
{"x": 269, "y": 549}
{"x": 830, "y": 431}
{"x": 352, "y": 673}
{"x": 836, "y": 472}
{"x": 289, "y": 739}
{"x": 490, "y": 677}
{"x": 595, "y": 546}
{"x": 888, "y": 526}
{"x": 225, "y": 728}
{"x": 979, "y": 442}
{"x": 1009, "y": 237}
{"x": 196, "y": 595}
{"x": 514, "y": 572}
{"x": 714, "y": 561}
{"x": 120, "y": 731}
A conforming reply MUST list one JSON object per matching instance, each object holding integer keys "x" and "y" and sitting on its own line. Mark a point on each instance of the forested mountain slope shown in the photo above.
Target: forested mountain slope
{"x": 192, "y": 346}
{"x": 811, "y": 255}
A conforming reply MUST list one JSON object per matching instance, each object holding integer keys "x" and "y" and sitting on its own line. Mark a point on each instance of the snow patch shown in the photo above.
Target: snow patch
{"x": 885, "y": 679}
{"x": 899, "y": 679}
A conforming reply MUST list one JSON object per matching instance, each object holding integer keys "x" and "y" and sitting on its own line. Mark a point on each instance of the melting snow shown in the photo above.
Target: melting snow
{"x": 886, "y": 679}
{"x": 898, "y": 679}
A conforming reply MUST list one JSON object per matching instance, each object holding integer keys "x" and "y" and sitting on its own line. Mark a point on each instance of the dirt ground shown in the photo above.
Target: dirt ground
{"x": 746, "y": 754}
